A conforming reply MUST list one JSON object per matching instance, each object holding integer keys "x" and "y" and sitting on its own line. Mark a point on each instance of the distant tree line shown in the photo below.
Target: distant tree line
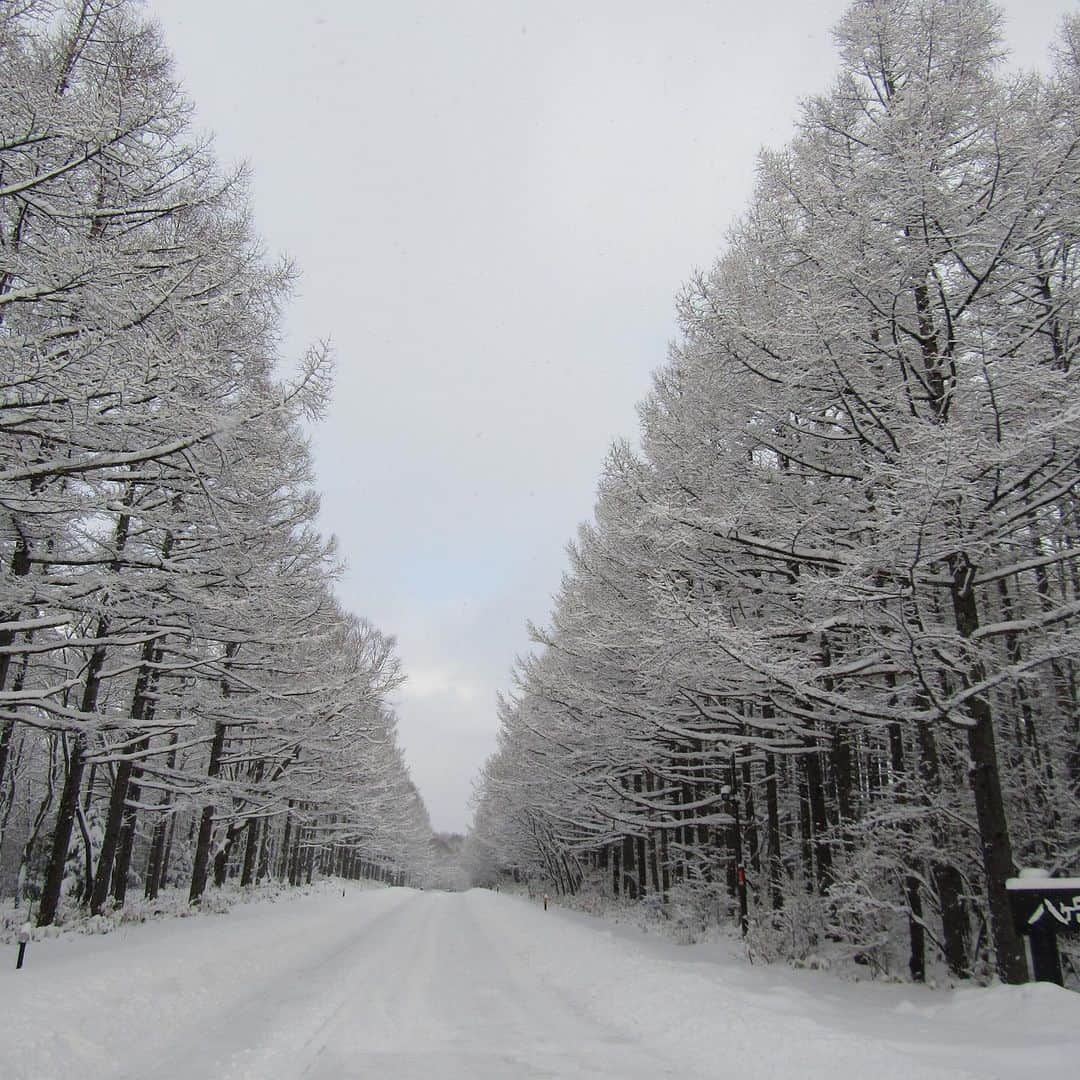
{"x": 825, "y": 623}
{"x": 181, "y": 697}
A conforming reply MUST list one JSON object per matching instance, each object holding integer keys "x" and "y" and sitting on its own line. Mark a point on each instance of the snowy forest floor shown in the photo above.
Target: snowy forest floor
{"x": 688, "y": 921}
{"x": 398, "y": 983}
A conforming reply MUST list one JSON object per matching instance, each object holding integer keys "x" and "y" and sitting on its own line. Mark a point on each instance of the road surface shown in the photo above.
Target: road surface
{"x": 400, "y": 984}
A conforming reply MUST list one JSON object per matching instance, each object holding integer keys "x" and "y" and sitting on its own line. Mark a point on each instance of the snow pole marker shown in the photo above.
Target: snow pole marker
{"x": 744, "y": 917}
{"x": 24, "y": 940}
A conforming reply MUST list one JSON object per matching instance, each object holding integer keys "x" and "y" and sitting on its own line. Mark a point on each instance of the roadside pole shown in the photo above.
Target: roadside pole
{"x": 24, "y": 941}
{"x": 732, "y": 808}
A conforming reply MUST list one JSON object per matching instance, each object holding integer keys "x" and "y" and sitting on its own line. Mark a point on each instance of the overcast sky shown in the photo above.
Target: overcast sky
{"x": 492, "y": 205}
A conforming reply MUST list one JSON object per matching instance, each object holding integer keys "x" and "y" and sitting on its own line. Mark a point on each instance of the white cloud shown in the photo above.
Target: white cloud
{"x": 439, "y": 683}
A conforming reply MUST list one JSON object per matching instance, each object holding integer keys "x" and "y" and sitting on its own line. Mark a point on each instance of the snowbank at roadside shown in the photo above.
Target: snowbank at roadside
{"x": 723, "y": 1009}
{"x": 171, "y": 903}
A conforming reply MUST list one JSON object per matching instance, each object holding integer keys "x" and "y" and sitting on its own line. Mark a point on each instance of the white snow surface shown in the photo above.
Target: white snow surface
{"x": 400, "y": 984}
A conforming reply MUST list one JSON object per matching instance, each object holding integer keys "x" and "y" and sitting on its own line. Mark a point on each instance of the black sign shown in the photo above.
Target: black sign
{"x": 1045, "y": 904}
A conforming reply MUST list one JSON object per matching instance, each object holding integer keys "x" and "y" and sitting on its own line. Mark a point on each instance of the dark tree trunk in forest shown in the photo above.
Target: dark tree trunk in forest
{"x": 733, "y": 837}
{"x": 628, "y": 878}
{"x": 201, "y": 861}
{"x": 155, "y": 863}
{"x": 7, "y": 730}
{"x": 20, "y": 567}
{"x": 772, "y": 809}
{"x": 206, "y": 821}
{"x": 806, "y": 831}
{"x": 263, "y": 870}
{"x": 997, "y": 857}
{"x": 294, "y": 861}
{"x": 251, "y": 849}
{"x": 44, "y": 807}
{"x": 125, "y": 849}
{"x": 750, "y": 818}
{"x": 642, "y": 869}
{"x": 91, "y": 783}
{"x": 912, "y": 893}
{"x": 7, "y": 734}
{"x": 665, "y": 863}
{"x": 994, "y": 837}
{"x": 916, "y": 932}
{"x": 61, "y": 842}
{"x": 283, "y": 867}
{"x": 88, "y": 850}
{"x": 948, "y": 881}
{"x": 142, "y": 712}
{"x": 221, "y": 859}
{"x": 69, "y": 800}
{"x": 154, "y": 860}
{"x": 840, "y": 758}
{"x": 842, "y": 764}
{"x": 819, "y": 817}
{"x": 640, "y": 856}
{"x": 166, "y": 858}
{"x": 119, "y": 814}
{"x": 113, "y": 819}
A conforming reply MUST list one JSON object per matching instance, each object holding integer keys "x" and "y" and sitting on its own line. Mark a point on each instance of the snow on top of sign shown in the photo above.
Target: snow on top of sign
{"x": 1035, "y": 884}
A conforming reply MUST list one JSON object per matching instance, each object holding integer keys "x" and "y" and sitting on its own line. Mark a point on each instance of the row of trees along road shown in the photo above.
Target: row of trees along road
{"x": 180, "y": 694}
{"x": 826, "y": 620}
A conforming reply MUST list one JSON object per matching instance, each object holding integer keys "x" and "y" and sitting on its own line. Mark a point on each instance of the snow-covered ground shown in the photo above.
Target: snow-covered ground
{"x": 398, "y": 984}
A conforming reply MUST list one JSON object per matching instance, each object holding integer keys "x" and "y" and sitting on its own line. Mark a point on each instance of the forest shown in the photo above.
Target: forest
{"x": 812, "y": 668}
{"x": 182, "y": 698}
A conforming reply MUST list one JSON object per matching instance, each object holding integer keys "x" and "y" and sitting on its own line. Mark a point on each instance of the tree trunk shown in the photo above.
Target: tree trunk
{"x": 213, "y": 770}
{"x": 806, "y": 831}
{"x": 251, "y": 849}
{"x": 201, "y": 862}
{"x": 155, "y": 863}
{"x": 819, "y": 817}
{"x": 628, "y": 878}
{"x": 750, "y": 823}
{"x": 20, "y": 567}
{"x": 154, "y": 860}
{"x": 113, "y": 819}
{"x": 127, "y": 833}
{"x": 996, "y": 845}
{"x": 39, "y": 820}
{"x": 61, "y": 841}
{"x": 221, "y": 859}
{"x": 772, "y": 808}
{"x": 285, "y": 850}
{"x": 912, "y": 894}
{"x": 170, "y": 836}
{"x": 948, "y": 881}
{"x": 263, "y": 870}
{"x": 294, "y": 862}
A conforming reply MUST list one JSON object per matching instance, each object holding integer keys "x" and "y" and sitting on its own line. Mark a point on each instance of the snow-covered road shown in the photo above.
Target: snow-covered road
{"x": 399, "y": 984}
